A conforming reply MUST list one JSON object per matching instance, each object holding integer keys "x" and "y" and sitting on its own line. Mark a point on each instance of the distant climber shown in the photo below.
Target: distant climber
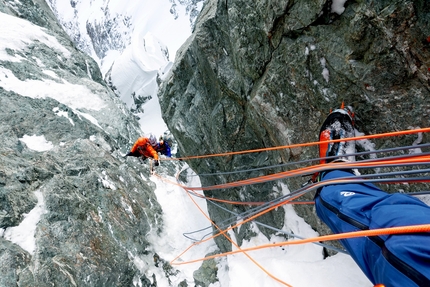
{"x": 163, "y": 147}
{"x": 387, "y": 260}
{"x": 145, "y": 147}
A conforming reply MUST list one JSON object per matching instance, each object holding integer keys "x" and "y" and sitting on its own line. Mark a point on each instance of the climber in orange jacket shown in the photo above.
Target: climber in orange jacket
{"x": 145, "y": 147}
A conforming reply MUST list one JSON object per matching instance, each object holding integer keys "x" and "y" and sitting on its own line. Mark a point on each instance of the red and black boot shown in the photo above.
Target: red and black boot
{"x": 338, "y": 125}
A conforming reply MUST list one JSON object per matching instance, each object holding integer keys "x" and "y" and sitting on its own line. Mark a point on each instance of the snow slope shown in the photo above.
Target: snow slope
{"x": 133, "y": 42}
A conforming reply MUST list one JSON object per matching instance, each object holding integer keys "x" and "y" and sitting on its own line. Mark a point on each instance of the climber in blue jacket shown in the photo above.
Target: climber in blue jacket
{"x": 389, "y": 260}
{"x": 163, "y": 147}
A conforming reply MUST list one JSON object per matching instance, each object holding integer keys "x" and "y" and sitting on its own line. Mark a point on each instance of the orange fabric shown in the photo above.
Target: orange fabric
{"x": 143, "y": 146}
{"x": 324, "y": 136}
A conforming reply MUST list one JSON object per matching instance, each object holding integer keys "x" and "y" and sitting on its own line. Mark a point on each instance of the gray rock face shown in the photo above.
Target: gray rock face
{"x": 256, "y": 75}
{"x": 95, "y": 207}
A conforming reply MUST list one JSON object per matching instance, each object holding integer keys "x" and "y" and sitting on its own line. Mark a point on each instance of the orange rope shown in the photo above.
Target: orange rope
{"x": 374, "y": 232}
{"x": 313, "y": 169}
{"x": 274, "y": 206}
{"x": 308, "y": 170}
{"x": 334, "y": 181}
{"x": 389, "y": 134}
{"x": 242, "y": 222}
{"x": 209, "y": 198}
{"x": 223, "y": 232}
{"x": 296, "y": 172}
{"x": 251, "y": 203}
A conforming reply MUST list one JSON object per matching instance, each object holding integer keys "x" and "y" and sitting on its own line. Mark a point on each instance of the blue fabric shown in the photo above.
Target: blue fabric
{"x": 393, "y": 260}
{"x": 164, "y": 149}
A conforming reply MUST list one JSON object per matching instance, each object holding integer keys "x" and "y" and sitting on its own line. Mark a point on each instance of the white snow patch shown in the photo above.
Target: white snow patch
{"x": 37, "y": 143}
{"x": 75, "y": 96}
{"x": 17, "y": 34}
{"x": 325, "y": 71}
{"x": 61, "y": 113}
{"x": 107, "y": 183}
{"x": 135, "y": 72}
{"x": 181, "y": 215}
{"x": 337, "y": 6}
{"x": 23, "y": 234}
{"x": 88, "y": 117}
{"x": 50, "y": 73}
{"x": 416, "y": 142}
{"x": 127, "y": 208}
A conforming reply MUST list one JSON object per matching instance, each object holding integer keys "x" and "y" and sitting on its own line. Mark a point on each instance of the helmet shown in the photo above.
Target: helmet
{"x": 152, "y": 140}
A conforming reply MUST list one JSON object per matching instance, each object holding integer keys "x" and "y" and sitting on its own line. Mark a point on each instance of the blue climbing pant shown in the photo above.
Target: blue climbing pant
{"x": 392, "y": 260}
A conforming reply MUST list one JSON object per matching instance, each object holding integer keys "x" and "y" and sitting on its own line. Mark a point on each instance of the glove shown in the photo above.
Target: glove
{"x": 135, "y": 154}
{"x": 156, "y": 163}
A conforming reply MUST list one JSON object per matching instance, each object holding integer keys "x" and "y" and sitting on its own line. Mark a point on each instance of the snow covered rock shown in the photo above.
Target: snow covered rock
{"x": 73, "y": 210}
{"x": 134, "y": 43}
